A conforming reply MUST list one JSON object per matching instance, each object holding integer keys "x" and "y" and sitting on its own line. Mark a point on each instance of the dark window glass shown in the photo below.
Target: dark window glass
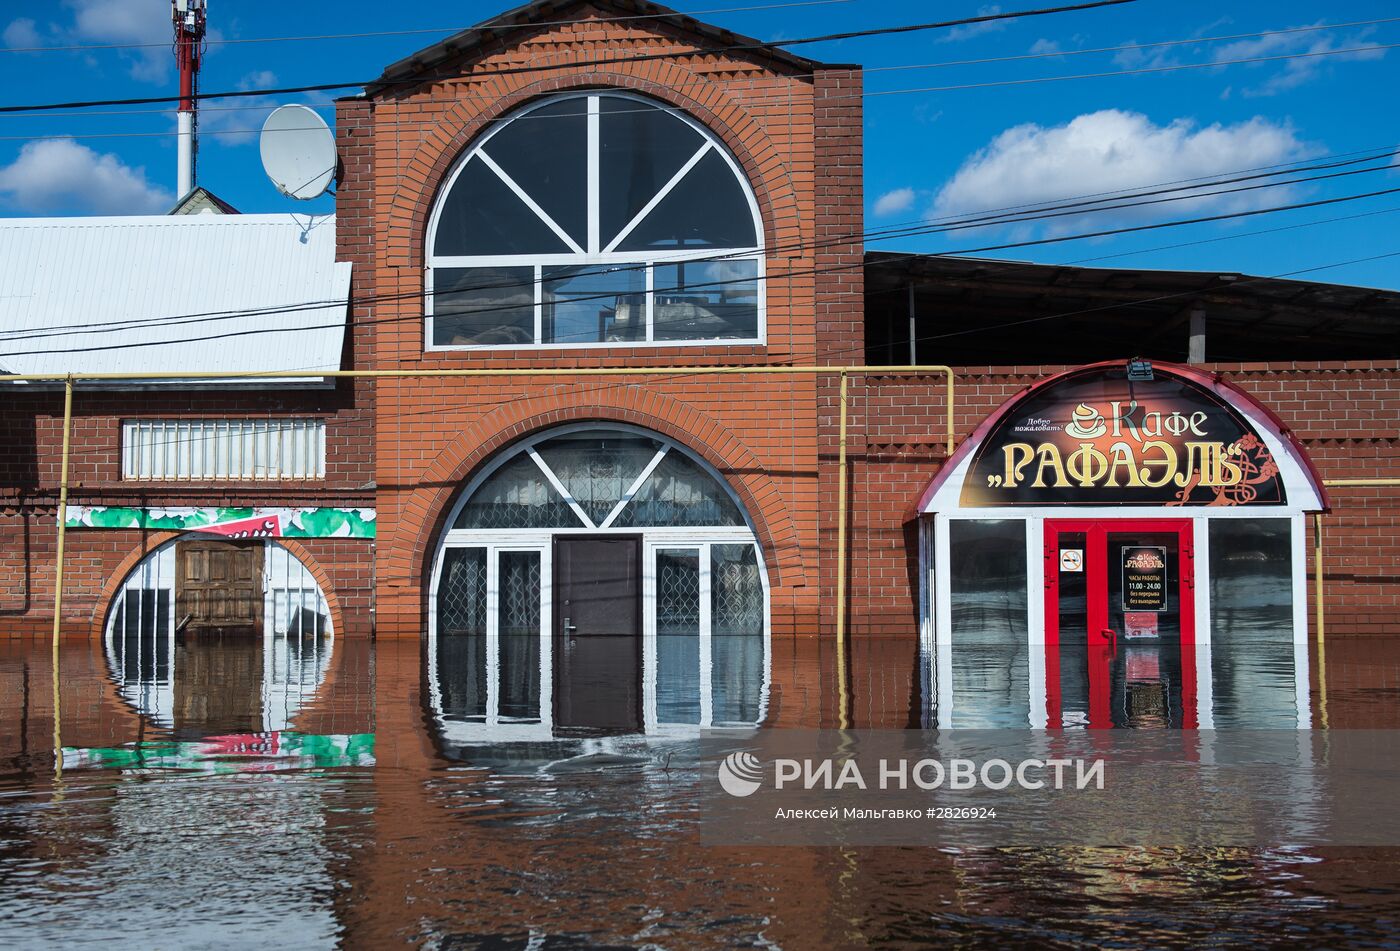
{"x": 483, "y": 306}
{"x": 519, "y": 614}
{"x": 640, "y": 148}
{"x": 594, "y": 304}
{"x": 988, "y": 580}
{"x": 736, "y": 622}
{"x": 679, "y": 492}
{"x": 705, "y": 300}
{"x": 990, "y": 658}
{"x": 483, "y": 216}
{"x": 556, "y": 177}
{"x": 597, "y": 470}
{"x": 461, "y": 643}
{"x": 1251, "y": 623}
{"x": 517, "y": 495}
{"x": 706, "y": 209}
{"x": 678, "y": 636}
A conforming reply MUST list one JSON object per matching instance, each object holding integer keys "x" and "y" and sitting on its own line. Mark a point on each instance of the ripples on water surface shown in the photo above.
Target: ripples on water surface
{"x": 351, "y": 815}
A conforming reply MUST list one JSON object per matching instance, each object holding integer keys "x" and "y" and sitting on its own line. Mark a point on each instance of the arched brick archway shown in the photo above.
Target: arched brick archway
{"x": 707, "y": 101}
{"x": 761, "y": 497}
{"x": 153, "y": 541}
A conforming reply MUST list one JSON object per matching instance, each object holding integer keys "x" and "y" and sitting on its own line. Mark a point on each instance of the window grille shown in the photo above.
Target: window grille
{"x": 234, "y": 449}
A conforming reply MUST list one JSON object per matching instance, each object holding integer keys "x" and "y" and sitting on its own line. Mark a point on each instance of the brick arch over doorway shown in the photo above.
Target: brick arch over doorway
{"x": 152, "y": 542}
{"x": 711, "y": 104}
{"x": 423, "y": 517}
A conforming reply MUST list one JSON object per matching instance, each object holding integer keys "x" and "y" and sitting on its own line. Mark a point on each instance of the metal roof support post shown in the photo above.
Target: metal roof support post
{"x": 1196, "y": 346}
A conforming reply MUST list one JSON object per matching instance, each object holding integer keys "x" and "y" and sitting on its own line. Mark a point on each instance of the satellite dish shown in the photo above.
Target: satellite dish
{"x": 298, "y": 152}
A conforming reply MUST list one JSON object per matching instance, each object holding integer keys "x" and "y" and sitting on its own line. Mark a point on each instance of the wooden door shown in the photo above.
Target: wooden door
{"x": 219, "y": 584}
{"x": 598, "y": 627}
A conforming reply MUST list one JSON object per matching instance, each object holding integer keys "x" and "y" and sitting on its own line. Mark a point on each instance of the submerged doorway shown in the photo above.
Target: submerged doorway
{"x": 594, "y": 580}
{"x": 219, "y": 586}
{"x": 597, "y": 643}
{"x": 1120, "y": 622}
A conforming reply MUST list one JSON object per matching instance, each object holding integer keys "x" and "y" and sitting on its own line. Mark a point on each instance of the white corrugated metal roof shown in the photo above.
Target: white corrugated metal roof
{"x": 162, "y": 294}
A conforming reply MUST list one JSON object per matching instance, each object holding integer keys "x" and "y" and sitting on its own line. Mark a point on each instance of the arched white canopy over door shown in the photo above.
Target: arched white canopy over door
{"x": 1003, "y": 528}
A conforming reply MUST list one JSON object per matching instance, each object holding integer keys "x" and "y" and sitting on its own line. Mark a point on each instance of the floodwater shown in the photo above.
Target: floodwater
{"x": 230, "y": 793}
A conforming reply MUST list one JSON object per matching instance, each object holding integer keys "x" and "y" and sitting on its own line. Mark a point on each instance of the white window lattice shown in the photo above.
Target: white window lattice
{"x": 213, "y": 449}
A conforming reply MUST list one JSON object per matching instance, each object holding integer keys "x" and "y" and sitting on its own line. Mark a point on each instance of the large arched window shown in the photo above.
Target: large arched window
{"x": 595, "y": 219}
{"x": 594, "y": 580}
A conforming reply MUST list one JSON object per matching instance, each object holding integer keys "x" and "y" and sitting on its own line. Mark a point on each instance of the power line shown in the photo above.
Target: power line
{"x": 1076, "y": 208}
{"x": 867, "y": 236}
{"x": 477, "y": 28}
{"x": 858, "y": 352}
{"x": 1058, "y": 54}
{"x": 811, "y": 272}
{"x": 616, "y": 60}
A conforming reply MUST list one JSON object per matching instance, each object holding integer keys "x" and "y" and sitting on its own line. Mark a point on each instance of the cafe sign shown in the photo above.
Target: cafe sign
{"x": 1096, "y": 438}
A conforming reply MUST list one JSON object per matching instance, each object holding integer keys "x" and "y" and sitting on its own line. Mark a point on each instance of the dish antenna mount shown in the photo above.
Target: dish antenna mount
{"x": 298, "y": 152}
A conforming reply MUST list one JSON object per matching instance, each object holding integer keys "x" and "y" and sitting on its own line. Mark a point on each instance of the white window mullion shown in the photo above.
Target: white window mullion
{"x": 636, "y": 486}
{"x": 659, "y": 196}
{"x": 529, "y": 202}
{"x": 707, "y": 700}
{"x": 559, "y": 487}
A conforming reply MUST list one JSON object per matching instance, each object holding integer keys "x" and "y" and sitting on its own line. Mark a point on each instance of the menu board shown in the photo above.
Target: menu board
{"x": 1144, "y": 578}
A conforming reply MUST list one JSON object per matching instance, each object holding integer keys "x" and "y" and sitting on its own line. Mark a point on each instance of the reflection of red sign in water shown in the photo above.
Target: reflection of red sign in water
{"x": 241, "y": 744}
{"x": 1094, "y": 438}
{"x": 267, "y": 526}
{"x": 1139, "y": 624}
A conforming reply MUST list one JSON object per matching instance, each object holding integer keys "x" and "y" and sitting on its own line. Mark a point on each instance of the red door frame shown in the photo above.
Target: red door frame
{"x": 1102, "y": 643}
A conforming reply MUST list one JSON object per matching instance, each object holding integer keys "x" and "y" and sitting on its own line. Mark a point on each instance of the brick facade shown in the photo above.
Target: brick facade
{"x": 96, "y": 561}
{"x": 793, "y": 134}
{"x": 1344, "y": 414}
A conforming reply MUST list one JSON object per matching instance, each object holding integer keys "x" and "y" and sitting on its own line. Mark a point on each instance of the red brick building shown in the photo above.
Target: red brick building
{"x": 607, "y": 186}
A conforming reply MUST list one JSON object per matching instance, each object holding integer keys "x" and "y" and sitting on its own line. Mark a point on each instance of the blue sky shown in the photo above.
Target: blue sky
{"x": 929, "y": 155}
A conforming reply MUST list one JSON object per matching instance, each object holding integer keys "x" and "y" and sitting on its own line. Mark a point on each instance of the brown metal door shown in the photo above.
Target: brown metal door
{"x": 598, "y": 627}
{"x": 218, "y": 584}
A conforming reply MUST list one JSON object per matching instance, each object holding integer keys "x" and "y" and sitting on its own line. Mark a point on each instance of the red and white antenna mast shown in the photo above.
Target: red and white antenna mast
{"x": 190, "y": 19}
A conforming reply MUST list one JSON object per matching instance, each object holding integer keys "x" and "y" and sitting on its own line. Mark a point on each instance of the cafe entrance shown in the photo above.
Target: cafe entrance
{"x": 1119, "y": 545}
{"x": 1120, "y": 621}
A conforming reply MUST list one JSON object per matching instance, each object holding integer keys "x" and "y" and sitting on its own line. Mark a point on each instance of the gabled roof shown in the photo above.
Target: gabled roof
{"x": 498, "y": 30}
{"x": 201, "y": 201}
{"x": 172, "y": 294}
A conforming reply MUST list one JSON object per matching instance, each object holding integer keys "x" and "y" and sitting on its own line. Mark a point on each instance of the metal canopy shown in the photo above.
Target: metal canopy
{"x": 184, "y": 293}
{"x": 977, "y": 311}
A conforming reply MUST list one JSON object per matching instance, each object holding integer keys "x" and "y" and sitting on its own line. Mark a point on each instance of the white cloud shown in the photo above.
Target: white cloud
{"x": 969, "y": 30}
{"x": 1296, "y": 72}
{"x": 893, "y": 202}
{"x": 1044, "y": 47}
{"x": 128, "y": 22}
{"x": 258, "y": 79}
{"x": 1113, "y": 150}
{"x": 55, "y": 176}
{"x": 21, "y": 34}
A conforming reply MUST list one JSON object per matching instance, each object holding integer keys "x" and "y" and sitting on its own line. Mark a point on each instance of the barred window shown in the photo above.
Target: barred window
{"x": 194, "y": 449}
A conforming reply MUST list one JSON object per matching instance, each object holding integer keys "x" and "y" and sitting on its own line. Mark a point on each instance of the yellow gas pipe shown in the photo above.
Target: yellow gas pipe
{"x": 841, "y": 510}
